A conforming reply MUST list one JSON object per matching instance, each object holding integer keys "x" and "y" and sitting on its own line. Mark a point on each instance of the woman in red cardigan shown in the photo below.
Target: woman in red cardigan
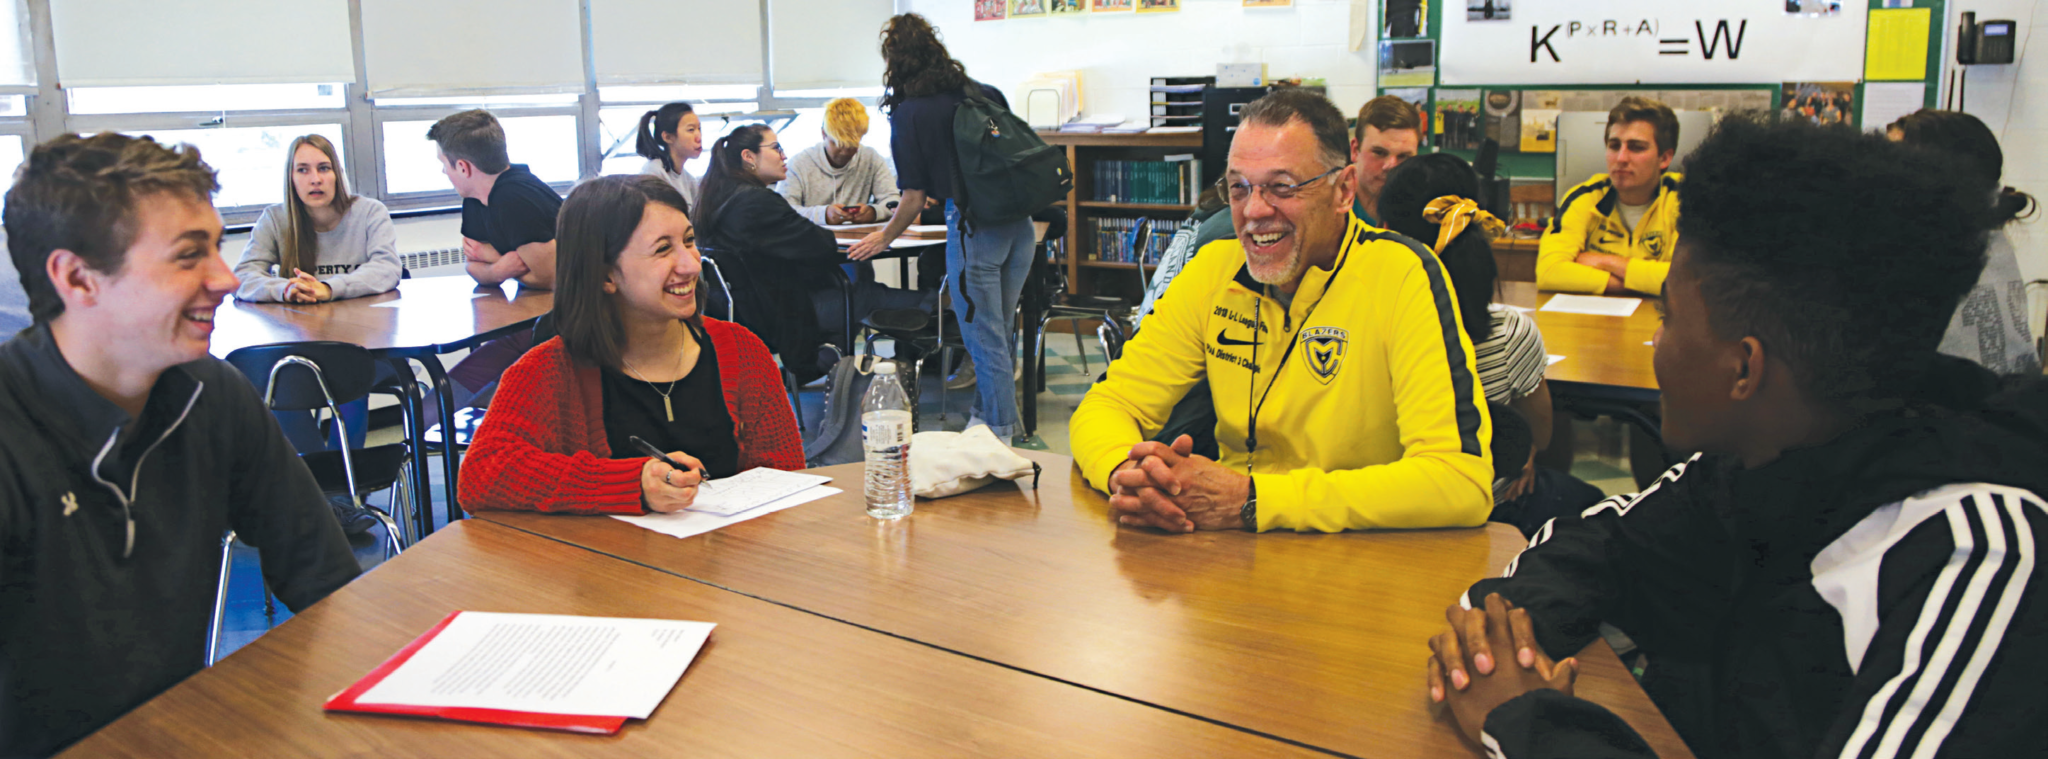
{"x": 635, "y": 357}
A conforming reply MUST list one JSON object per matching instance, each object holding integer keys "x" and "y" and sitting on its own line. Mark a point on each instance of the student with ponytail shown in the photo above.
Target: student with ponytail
{"x": 1428, "y": 198}
{"x": 1990, "y": 327}
{"x": 782, "y": 269}
{"x": 667, "y": 137}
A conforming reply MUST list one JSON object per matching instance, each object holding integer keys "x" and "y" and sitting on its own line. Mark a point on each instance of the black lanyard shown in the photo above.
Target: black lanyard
{"x": 1251, "y": 441}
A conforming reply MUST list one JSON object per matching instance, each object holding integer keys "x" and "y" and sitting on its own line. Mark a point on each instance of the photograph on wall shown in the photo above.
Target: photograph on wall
{"x": 1268, "y": 3}
{"x": 1502, "y": 110}
{"x": 990, "y": 10}
{"x": 1813, "y": 7}
{"x": 1820, "y": 102}
{"x": 1060, "y": 7}
{"x": 1539, "y": 120}
{"x": 1405, "y": 19}
{"x": 1027, "y": 8}
{"x": 1458, "y": 125}
{"x": 1486, "y": 10}
{"x": 1112, "y": 5}
{"x": 1407, "y": 63}
{"x": 1158, "y": 6}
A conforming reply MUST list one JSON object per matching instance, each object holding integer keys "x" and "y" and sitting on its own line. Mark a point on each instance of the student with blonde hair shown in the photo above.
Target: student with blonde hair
{"x": 840, "y": 181}
{"x": 322, "y": 243}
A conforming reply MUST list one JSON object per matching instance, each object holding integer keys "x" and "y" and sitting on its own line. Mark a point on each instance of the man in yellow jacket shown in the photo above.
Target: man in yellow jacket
{"x": 1617, "y": 231}
{"x": 1342, "y": 380}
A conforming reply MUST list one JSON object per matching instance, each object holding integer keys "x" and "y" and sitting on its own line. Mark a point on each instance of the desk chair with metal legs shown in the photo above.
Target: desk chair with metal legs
{"x": 725, "y": 298}
{"x": 1114, "y": 312}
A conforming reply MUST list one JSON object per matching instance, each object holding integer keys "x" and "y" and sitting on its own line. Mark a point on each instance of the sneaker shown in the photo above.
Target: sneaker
{"x": 963, "y": 377}
{"x": 355, "y": 520}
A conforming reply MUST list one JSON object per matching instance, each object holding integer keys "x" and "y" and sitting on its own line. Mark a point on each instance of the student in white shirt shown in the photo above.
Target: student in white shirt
{"x": 840, "y": 181}
{"x": 322, "y": 243}
{"x": 668, "y": 136}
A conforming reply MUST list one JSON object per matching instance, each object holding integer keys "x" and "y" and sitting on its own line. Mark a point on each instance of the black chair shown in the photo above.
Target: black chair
{"x": 1115, "y": 312}
{"x": 311, "y": 376}
{"x": 733, "y": 300}
{"x": 468, "y": 418}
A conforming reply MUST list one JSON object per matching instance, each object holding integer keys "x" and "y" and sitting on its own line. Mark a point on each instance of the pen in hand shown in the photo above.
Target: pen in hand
{"x": 703, "y": 480}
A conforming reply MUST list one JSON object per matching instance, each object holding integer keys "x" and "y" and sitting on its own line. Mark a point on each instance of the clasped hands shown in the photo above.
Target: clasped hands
{"x": 304, "y": 288}
{"x": 1464, "y": 672}
{"x": 857, "y": 213}
{"x": 1171, "y": 488}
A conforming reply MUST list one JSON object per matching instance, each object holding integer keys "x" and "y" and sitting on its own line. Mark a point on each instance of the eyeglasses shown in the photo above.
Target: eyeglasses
{"x": 1239, "y": 191}
{"x": 775, "y": 146}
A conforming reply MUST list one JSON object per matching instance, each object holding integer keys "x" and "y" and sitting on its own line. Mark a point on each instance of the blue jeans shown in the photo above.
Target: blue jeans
{"x": 989, "y": 268}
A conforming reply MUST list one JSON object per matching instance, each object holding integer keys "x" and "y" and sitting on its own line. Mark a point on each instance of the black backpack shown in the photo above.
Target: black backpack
{"x": 1006, "y": 172}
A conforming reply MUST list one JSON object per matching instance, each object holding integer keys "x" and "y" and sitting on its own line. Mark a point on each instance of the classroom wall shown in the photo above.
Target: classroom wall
{"x": 2013, "y": 101}
{"x": 1118, "y": 53}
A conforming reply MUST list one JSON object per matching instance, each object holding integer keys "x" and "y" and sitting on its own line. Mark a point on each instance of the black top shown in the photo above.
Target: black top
{"x": 92, "y": 623}
{"x": 703, "y": 428}
{"x": 522, "y": 211}
{"x": 773, "y": 259}
{"x": 921, "y": 139}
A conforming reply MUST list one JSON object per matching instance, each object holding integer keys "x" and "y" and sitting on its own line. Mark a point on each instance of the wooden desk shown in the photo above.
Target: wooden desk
{"x": 1318, "y": 639}
{"x": 772, "y": 681}
{"x": 1605, "y": 356}
{"x": 422, "y": 319}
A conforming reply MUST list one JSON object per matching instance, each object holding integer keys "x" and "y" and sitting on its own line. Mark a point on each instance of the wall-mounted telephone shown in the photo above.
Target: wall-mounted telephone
{"x": 1987, "y": 42}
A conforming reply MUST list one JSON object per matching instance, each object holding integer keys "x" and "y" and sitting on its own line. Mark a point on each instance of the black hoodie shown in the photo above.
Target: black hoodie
{"x": 110, "y": 535}
{"x": 1874, "y": 596}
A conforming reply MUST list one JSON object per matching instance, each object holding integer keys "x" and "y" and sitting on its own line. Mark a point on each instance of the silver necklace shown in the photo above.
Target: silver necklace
{"x": 665, "y": 405}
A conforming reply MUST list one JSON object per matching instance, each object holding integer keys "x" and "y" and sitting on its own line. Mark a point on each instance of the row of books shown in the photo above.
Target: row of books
{"x": 1111, "y": 239}
{"x": 1175, "y": 180}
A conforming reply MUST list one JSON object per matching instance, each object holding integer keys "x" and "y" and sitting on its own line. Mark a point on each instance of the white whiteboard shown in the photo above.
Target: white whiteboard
{"x": 1651, "y": 42}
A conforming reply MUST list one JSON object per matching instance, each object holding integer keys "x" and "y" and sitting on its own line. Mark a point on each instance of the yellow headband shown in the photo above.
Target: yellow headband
{"x": 1451, "y": 213}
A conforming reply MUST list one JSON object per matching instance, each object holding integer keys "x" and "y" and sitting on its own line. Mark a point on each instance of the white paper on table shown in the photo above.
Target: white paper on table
{"x": 751, "y": 489}
{"x": 686, "y": 524}
{"x": 1596, "y": 305}
{"x": 546, "y": 663}
{"x": 1552, "y": 359}
{"x": 400, "y": 302}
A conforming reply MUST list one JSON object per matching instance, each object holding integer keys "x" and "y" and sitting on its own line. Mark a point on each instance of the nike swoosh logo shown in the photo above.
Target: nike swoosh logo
{"x": 1222, "y": 340}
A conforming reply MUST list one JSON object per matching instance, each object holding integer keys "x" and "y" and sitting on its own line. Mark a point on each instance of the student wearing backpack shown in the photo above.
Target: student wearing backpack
{"x": 988, "y": 263}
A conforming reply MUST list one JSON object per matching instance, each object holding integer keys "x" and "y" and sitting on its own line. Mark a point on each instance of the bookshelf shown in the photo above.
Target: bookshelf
{"x": 1084, "y": 152}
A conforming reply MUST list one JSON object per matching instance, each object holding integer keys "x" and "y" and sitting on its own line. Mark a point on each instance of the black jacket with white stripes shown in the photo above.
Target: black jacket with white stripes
{"x": 1874, "y": 596}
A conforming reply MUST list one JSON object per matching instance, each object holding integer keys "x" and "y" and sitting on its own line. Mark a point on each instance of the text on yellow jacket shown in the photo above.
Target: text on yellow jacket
{"x": 1590, "y": 219}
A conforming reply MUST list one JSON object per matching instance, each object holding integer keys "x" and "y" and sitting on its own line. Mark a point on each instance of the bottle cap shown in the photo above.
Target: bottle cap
{"x": 885, "y": 367}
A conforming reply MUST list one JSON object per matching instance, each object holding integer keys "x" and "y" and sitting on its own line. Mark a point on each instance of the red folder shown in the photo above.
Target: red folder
{"x": 345, "y": 701}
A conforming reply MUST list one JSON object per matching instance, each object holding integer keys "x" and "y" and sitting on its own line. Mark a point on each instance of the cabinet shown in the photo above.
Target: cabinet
{"x": 1088, "y": 154}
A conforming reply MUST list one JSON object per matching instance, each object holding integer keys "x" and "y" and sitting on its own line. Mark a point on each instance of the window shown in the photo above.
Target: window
{"x": 618, "y": 136}
{"x": 672, "y": 93}
{"x": 250, "y": 160}
{"x": 481, "y": 101}
{"x": 204, "y": 98}
{"x": 13, "y": 150}
{"x": 546, "y": 144}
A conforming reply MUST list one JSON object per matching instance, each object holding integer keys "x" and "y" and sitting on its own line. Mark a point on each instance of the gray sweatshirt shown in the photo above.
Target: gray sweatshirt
{"x": 813, "y": 184}
{"x": 357, "y": 257}
{"x": 679, "y": 179}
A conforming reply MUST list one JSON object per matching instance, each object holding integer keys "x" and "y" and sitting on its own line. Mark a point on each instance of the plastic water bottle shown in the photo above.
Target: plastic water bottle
{"x": 885, "y": 417}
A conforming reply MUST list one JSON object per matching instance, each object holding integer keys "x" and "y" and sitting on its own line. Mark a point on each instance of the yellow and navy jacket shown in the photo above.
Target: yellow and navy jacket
{"x": 1372, "y": 415}
{"x": 1590, "y": 219}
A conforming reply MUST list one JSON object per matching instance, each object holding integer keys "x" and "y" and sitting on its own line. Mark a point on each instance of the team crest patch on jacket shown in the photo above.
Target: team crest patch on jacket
{"x": 1323, "y": 349}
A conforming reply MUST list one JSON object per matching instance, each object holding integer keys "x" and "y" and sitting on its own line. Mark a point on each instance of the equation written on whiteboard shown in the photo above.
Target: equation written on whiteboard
{"x": 1719, "y": 37}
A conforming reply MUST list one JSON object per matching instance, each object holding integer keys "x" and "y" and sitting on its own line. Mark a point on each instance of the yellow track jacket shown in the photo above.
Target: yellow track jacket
{"x": 1590, "y": 219}
{"x": 1374, "y": 419}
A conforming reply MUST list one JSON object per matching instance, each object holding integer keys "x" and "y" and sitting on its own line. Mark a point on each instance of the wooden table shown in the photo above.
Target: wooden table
{"x": 772, "y": 681}
{"x": 422, "y": 319}
{"x": 1605, "y": 356}
{"x": 1314, "y": 639}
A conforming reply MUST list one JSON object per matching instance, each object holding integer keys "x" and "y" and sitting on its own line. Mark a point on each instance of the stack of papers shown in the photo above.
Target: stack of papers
{"x": 736, "y": 499}
{"x": 549, "y": 671}
{"x": 1591, "y": 304}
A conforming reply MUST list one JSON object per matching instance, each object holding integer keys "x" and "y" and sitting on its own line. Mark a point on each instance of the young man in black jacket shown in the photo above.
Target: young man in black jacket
{"x": 1849, "y": 565}
{"x": 128, "y": 452}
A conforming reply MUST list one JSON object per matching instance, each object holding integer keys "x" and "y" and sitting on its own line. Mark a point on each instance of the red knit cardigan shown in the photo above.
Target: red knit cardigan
{"x": 542, "y": 445}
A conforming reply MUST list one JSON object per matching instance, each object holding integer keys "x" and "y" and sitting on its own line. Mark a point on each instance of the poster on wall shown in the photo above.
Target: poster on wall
{"x": 1407, "y": 63}
{"x": 1158, "y": 6}
{"x": 1502, "y": 110}
{"x": 1063, "y": 7}
{"x": 990, "y": 10}
{"x": 1644, "y": 42}
{"x": 1112, "y": 5}
{"x": 1539, "y": 120}
{"x": 1820, "y": 102}
{"x": 1813, "y": 7}
{"x": 1458, "y": 125}
{"x": 1405, "y": 19}
{"x": 1488, "y": 10}
{"x": 1268, "y": 3}
{"x": 1027, "y": 8}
